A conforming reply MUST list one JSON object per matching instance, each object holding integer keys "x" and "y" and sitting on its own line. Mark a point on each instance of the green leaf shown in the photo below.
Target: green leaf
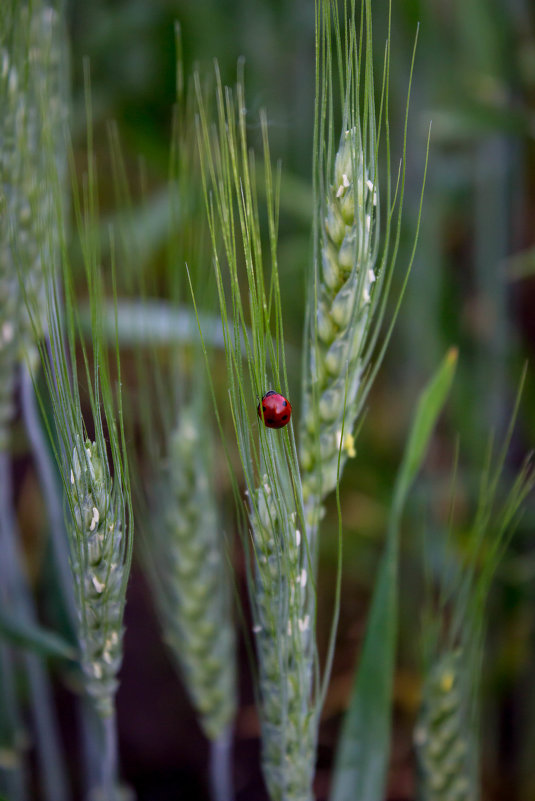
{"x": 153, "y": 322}
{"x": 363, "y": 751}
{"x": 429, "y": 407}
{"x": 35, "y": 638}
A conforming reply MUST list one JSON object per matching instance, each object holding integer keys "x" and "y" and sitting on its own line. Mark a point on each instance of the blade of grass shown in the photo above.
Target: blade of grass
{"x": 30, "y": 635}
{"x": 16, "y": 597}
{"x": 362, "y": 757}
{"x": 154, "y": 322}
{"x": 13, "y": 779}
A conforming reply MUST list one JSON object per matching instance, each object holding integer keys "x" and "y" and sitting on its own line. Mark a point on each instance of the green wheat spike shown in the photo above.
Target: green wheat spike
{"x": 189, "y": 572}
{"x": 11, "y": 213}
{"x": 97, "y": 565}
{"x": 283, "y": 632}
{"x": 282, "y": 597}
{"x": 442, "y": 733}
{"x": 344, "y": 307}
{"x": 447, "y": 736}
{"x": 31, "y": 150}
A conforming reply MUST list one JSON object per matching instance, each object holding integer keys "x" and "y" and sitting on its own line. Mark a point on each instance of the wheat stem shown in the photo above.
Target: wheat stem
{"x": 18, "y": 598}
{"x": 13, "y": 781}
{"x": 221, "y": 784}
{"x": 110, "y": 758}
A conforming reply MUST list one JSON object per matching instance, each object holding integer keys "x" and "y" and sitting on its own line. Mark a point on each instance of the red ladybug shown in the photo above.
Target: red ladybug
{"x": 276, "y": 410}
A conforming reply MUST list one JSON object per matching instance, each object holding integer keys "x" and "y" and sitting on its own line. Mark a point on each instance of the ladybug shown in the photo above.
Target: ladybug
{"x": 276, "y": 410}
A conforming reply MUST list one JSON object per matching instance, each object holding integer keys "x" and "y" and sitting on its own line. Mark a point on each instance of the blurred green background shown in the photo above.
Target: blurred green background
{"x": 473, "y": 285}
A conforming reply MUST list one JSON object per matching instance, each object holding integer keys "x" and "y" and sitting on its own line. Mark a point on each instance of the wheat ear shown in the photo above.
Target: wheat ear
{"x": 94, "y": 471}
{"x": 447, "y": 737}
{"x": 32, "y": 166}
{"x": 98, "y": 568}
{"x": 442, "y": 733}
{"x": 188, "y": 567}
{"x": 282, "y": 599}
{"x": 285, "y": 643}
{"x": 344, "y": 307}
{"x": 10, "y": 202}
{"x": 30, "y": 58}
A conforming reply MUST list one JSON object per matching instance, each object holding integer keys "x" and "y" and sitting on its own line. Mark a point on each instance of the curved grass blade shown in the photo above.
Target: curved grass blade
{"x": 153, "y": 322}
{"x": 36, "y": 638}
{"x": 362, "y": 758}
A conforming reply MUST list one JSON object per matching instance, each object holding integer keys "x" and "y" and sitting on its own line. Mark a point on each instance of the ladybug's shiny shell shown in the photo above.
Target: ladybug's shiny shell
{"x": 275, "y": 410}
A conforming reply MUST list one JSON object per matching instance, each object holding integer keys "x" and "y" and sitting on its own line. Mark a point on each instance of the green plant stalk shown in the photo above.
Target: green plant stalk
{"x": 221, "y": 783}
{"x": 35, "y": 637}
{"x": 91, "y": 739}
{"x": 17, "y": 597}
{"x": 13, "y": 779}
{"x": 13, "y": 782}
{"x": 110, "y": 760}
